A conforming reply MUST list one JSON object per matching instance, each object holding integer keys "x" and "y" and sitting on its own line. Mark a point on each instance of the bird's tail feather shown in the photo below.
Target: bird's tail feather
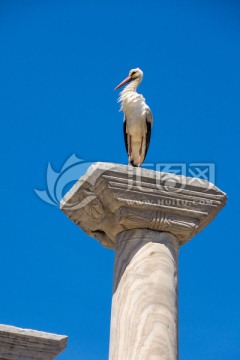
{"x": 132, "y": 163}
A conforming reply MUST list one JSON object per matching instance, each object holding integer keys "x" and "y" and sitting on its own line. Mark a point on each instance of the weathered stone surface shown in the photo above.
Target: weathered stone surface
{"x": 112, "y": 198}
{"x": 144, "y": 304}
{"x": 25, "y": 344}
{"x": 144, "y": 215}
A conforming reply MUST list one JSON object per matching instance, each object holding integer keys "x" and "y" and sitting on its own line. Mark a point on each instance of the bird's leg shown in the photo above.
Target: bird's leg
{"x": 140, "y": 153}
{"x": 129, "y": 149}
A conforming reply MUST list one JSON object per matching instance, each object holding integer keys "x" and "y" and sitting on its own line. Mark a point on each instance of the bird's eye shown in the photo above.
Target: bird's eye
{"x": 134, "y": 72}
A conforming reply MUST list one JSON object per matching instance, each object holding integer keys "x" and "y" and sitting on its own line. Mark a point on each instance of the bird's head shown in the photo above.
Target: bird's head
{"x": 134, "y": 74}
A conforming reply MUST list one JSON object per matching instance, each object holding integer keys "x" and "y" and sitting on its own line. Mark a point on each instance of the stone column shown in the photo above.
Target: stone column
{"x": 144, "y": 303}
{"x": 25, "y": 344}
{"x": 144, "y": 216}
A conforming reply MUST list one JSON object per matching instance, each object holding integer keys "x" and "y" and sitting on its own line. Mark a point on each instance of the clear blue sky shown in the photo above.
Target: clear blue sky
{"x": 59, "y": 63}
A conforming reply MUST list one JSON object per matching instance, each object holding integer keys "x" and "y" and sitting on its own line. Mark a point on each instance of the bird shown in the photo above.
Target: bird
{"x": 137, "y": 120}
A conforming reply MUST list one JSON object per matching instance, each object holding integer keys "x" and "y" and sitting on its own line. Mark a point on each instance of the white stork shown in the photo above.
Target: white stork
{"x": 138, "y": 120}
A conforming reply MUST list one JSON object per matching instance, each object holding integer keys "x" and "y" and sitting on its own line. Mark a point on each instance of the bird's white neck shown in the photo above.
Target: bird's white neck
{"x": 129, "y": 96}
{"x": 132, "y": 86}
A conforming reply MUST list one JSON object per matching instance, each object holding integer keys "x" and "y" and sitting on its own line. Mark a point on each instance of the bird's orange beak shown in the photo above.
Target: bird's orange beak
{"x": 125, "y": 81}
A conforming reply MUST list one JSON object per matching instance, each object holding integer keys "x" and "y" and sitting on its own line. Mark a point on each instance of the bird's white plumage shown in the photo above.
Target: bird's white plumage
{"x": 137, "y": 115}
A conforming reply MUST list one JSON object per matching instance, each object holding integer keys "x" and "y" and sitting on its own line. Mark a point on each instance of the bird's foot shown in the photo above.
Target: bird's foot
{"x": 139, "y": 162}
{"x": 129, "y": 161}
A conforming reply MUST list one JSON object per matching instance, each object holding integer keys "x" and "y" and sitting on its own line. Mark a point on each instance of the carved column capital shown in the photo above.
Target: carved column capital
{"x": 111, "y": 198}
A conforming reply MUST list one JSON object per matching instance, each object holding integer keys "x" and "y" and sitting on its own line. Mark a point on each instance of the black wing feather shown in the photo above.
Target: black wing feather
{"x": 148, "y": 135}
{"x": 125, "y": 133}
{"x": 149, "y": 123}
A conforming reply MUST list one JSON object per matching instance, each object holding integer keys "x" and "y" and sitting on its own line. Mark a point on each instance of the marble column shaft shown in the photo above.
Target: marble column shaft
{"x": 144, "y": 304}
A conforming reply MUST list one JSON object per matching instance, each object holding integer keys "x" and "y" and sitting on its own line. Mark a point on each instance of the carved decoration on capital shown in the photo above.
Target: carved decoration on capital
{"x": 181, "y": 227}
